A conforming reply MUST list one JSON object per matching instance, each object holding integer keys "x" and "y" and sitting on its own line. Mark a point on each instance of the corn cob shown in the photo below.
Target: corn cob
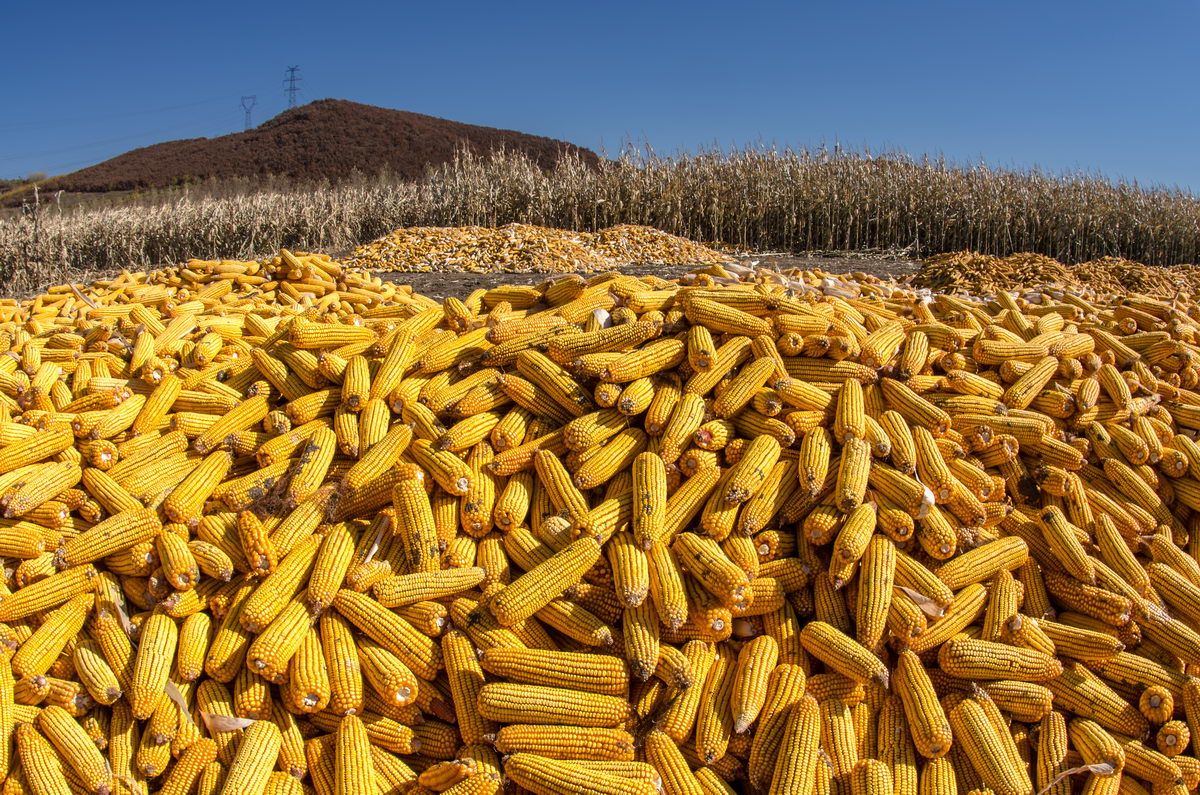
{"x": 533, "y": 590}
{"x": 255, "y": 759}
{"x": 156, "y": 651}
{"x": 985, "y": 745}
{"x": 519, "y": 703}
{"x": 566, "y": 742}
{"x": 755, "y": 663}
{"x": 542, "y": 774}
{"x": 392, "y": 632}
{"x": 842, "y": 653}
{"x": 39, "y": 763}
{"x": 853, "y": 472}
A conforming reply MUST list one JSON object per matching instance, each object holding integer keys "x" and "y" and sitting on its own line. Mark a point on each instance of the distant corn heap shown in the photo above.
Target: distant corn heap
{"x": 279, "y": 528}
{"x": 980, "y": 274}
{"x": 307, "y": 280}
{"x": 521, "y": 248}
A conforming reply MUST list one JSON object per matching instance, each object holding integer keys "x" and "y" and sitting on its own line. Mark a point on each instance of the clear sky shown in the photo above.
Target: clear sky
{"x": 1102, "y": 86}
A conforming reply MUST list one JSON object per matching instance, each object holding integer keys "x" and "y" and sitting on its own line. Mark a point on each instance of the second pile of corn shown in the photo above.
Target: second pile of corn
{"x": 982, "y": 274}
{"x": 524, "y": 248}
{"x": 281, "y": 527}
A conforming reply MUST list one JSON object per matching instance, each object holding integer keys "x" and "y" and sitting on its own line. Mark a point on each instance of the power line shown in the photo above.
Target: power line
{"x": 291, "y": 83}
{"x": 247, "y": 105}
{"x": 67, "y": 168}
{"x": 40, "y": 125}
{"x": 101, "y": 142}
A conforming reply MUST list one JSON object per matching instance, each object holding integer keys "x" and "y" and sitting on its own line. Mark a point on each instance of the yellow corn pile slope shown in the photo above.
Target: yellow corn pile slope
{"x": 281, "y": 528}
{"x": 977, "y": 274}
{"x": 523, "y": 248}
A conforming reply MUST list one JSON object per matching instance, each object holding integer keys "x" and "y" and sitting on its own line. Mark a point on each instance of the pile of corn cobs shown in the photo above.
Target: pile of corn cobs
{"x": 280, "y": 527}
{"x": 521, "y": 248}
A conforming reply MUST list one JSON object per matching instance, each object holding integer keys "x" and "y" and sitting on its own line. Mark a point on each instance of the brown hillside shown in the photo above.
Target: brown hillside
{"x": 327, "y": 139}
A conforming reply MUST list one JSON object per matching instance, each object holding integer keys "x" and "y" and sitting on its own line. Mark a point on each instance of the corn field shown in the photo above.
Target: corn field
{"x": 760, "y": 199}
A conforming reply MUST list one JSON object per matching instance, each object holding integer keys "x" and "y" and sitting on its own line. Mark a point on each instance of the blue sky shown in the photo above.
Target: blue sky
{"x": 1102, "y": 86}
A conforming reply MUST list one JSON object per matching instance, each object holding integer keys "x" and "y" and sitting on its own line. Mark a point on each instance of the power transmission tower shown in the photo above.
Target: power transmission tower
{"x": 247, "y": 104}
{"x": 291, "y": 83}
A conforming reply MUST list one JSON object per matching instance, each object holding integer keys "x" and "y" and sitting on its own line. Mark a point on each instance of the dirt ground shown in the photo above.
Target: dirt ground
{"x": 442, "y": 285}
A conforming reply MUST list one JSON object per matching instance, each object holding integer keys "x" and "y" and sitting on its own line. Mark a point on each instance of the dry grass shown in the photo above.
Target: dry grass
{"x": 757, "y": 199}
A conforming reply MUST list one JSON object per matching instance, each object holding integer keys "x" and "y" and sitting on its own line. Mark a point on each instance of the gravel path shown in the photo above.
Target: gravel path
{"x": 442, "y": 285}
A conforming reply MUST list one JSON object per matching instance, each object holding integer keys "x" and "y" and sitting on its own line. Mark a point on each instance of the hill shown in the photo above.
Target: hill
{"x": 324, "y": 140}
